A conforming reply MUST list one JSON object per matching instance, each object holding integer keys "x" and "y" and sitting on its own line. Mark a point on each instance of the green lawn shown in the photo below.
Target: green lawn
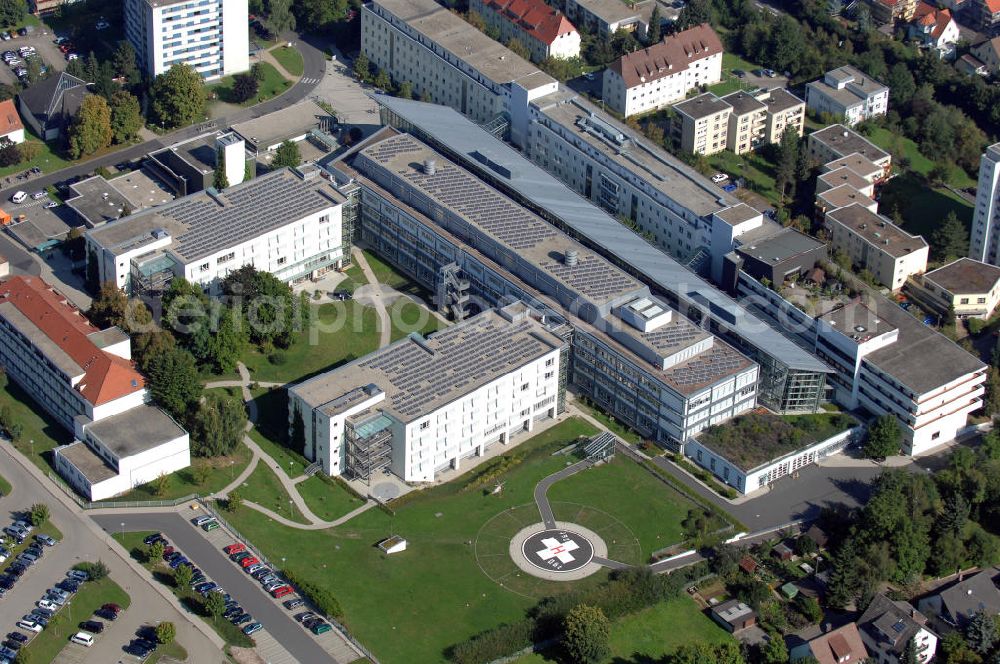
{"x": 46, "y": 157}
{"x": 272, "y": 85}
{"x": 93, "y": 594}
{"x": 354, "y": 277}
{"x": 290, "y": 59}
{"x": 341, "y": 332}
{"x": 407, "y": 316}
{"x": 922, "y": 207}
{"x": 173, "y": 650}
{"x": 385, "y": 273}
{"x": 39, "y": 435}
{"x": 327, "y": 499}
{"x": 896, "y": 144}
{"x": 264, "y": 488}
{"x": 132, "y": 541}
{"x": 611, "y": 424}
{"x": 650, "y": 509}
{"x": 271, "y": 430}
{"x": 653, "y": 633}
{"x": 730, "y": 83}
{"x": 4, "y": 487}
{"x": 386, "y": 599}
{"x": 220, "y": 472}
{"x": 757, "y": 172}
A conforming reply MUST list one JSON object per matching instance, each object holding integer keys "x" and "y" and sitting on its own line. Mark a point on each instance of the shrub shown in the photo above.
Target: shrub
{"x": 321, "y": 598}
{"x": 975, "y": 325}
{"x": 277, "y": 359}
{"x": 96, "y": 571}
{"x": 165, "y": 631}
{"x": 495, "y": 643}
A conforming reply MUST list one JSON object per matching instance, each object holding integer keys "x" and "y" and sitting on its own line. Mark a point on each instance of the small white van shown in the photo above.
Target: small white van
{"x": 83, "y": 639}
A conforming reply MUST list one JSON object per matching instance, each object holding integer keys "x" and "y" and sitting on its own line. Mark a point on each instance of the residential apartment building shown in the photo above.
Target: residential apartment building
{"x": 747, "y": 122}
{"x": 632, "y": 353}
{"x": 966, "y": 287}
{"x": 289, "y": 222}
{"x": 605, "y": 17}
{"x": 212, "y": 36}
{"x": 451, "y": 63}
{"x": 890, "y": 11}
{"x": 934, "y": 29}
{"x": 874, "y": 243}
{"x": 986, "y": 14}
{"x": 848, "y": 93}
{"x": 655, "y": 77}
{"x": 609, "y": 165}
{"x": 545, "y": 31}
{"x": 884, "y": 360}
{"x": 887, "y": 627}
{"x": 985, "y": 236}
{"x": 84, "y": 379}
{"x": 784, "y": 110}
{"x": 704, "y": 124}
{"x": 987, "y": 55}
{"x": 421, "y": 406}
{"x": 837, "y": 142}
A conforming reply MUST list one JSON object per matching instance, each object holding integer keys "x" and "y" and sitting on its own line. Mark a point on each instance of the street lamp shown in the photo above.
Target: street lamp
{"x": 123, "y": 531}
{"x": 32, "y": 443}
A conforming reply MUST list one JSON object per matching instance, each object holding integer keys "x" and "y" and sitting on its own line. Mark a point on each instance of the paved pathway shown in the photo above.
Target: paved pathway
{"x": 376, "y": 295}
{"x": 542, "y": 488}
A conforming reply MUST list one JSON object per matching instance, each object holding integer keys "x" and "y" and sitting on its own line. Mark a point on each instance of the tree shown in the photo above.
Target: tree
{"x": 12, "y": 12}
{"x": 245, "y": 87}
{"x": 178, "y": 97}
{"x": 9, "y": 153}
{"x": 165, "y": 631}
{"x": 182, "y": 576}
{"x": 148, "y": 345}
{"x": 160, "y": 485}
{"x": 694, "y": 13}
{"x": 156, "y": 550}
{"x": 34, "y": 67}
{"x": 587, "y": 634}
{"x": 981, "y": 632}
{"x": 220, "y": 181}
{"x": 95, "y": 571}
{"x": 883, "y": 439}
{"x": 217, "y": 426}
{"x": 112, "y": 307}
{"x": 406, "y": 90}
{"x": 279, "y": 16}
{"x": 39, "y": 514}
{"x": 215, "y": 605}
{"x": 517, "y": 47}
{"x": 233, "y": 501}
{"x": 91, "y": 128}
{"x": 124, "y": 62}
{"x": 788, "y": 156}
{"x": 257, "y": 71}
{"x": 655, "y": 32}
{"x": 949, "y": 240}
{"x": 362, "y": 68}
{"x": 174, "y": 382}
{"x": 773, "y": 650}
{"x": 319, "y": 14}
{"x": 126, "y": 116}
{"x": 287, "y": 154}
{"x": 910, "y": 653}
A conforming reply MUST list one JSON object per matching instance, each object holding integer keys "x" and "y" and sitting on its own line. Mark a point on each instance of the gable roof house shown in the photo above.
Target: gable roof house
{"x": 887, "y": 627}
{"x": 935, "y": 29}
{"x": 988, "y": 54}
{"x": 956, "y": 604}
{"x": 544, "y": 30}
{"x": 50, "y": 105}
{"x": 840, "y": 646}
{"x": 11, "y": 127}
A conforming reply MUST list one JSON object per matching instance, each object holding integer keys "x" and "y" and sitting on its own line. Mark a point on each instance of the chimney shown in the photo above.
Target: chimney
{"x": 571, "y": 257}
{"x": 430, "y": 166}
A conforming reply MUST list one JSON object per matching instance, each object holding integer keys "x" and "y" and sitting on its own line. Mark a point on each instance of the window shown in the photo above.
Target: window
{"x": 203, "y": 267}
{"x": 425, "y": 425}
{"x": 964, "y": 300}
{"x": 325, "y": 219}
{"x": 282, "y": 260}
{"x": 524, "y": 387}
{"x": 981, "y": 300}
{"x": 225, "y": 259}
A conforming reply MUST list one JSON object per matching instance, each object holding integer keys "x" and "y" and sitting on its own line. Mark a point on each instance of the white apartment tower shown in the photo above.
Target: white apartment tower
{"x": 210, "y": 35}
{"x": 983, "y": 243}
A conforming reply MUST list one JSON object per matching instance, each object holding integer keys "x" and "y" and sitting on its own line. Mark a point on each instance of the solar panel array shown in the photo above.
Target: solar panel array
{"x": 463, "y": 356}
{"x": 593, "y": 276}
{"x": 249, "y": 211}
{"x": 673, "y": 335}
{"x": 707, "y": 367}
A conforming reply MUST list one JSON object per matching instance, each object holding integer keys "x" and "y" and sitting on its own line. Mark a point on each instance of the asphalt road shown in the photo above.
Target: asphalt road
{"x": 224, "y": 572}
{"x": 542, "y": 488}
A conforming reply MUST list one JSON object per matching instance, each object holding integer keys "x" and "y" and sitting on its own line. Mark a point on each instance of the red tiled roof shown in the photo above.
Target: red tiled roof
{"x": 106, "y": 377}
{"x": 534, "y": 17}
{"x": 841, "y": 646}
{"x": 10, "y": 121}
{"x": 928, "y": 15}
{"x": 993, "y": 5}
{"x": 674, "y": 54}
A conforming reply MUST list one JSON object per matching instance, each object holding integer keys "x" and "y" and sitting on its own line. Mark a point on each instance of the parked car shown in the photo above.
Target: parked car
{"x": 719, "y": 177}
{"x": 282, "y": 591}
{"x": 198, "y": 520}
{"x": 18, "y": 198}
{"x": 239, "y": 555}
{"x": 46, "y": 540}
{"x": 29, "y": 625}
{"x": 149, "y": 540}
{"x": 94, "y": 626}
{"x": 209, "y": 526}
{"x": 83, "y": 639}
{"x": 304, "y": 616}
{"x": 252, "y": 628}
{"x": 247, "y": 562}
{"x": 78, "y": 575}
{"x": 242, "y": 618}
{"x": 320, "y": 628}
{"x": 234, "y": 548}
{"x": 107, "y": 615}
{"x": 17, "y": 636}
{"x": 291, "y": 604}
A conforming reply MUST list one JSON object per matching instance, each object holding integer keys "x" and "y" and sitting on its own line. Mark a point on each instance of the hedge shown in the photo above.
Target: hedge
{"x": 322, "y": 599}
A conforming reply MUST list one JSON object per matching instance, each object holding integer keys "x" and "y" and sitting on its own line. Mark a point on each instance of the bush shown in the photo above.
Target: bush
{"x": 495, "y": 643}
{"x": 96, "y": 571}
{"x": 975, "y": 325}
{"x": 165, "y": 631}
{"x": 277, "y": 359}
{"x": 321, "y": 598}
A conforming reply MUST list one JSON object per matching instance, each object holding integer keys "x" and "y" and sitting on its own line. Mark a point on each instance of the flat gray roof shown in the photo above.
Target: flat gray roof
{"x": 965, "y": 276}
{"x": 780, "y": 99}
{"x": 136, "y": 430}
{"x": 743, "y": 103}
{"x": 844, "y": 175}
{"x": 737, "y": 214}
{"x": 877, "y": 230}
{"x": 842, "y": 196}
{"x": 462, "y": 138}
{"x": 87, "y": 462}
{"x": 844, "y": 141}
{"x": 142, "y": 189}
{"x": 444, "y": 28}
{"x": 610, "y": 11}
{"x": 782, "y": 246}
{"x": 419, "y": 375}
{"x": 702, "y": 106}
{"x": 206, "y": 222}
{"x": 276, "y": 127}
{"x": 97, "y": 200}
{"x": 857, "y": 162}
{"x": 522, "y": 232}
{"x": 197, "y": 152}
{"x": 660, "y": 169}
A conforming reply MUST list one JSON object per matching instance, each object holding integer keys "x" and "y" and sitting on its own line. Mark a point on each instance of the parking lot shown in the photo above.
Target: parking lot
{"x": 42, "y": 41}
{"x": 283, "y": 640}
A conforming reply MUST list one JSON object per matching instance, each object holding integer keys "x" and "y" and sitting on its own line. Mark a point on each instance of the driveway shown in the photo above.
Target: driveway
{"x": 348, "y": 97}
{"x": 217, "y": 567}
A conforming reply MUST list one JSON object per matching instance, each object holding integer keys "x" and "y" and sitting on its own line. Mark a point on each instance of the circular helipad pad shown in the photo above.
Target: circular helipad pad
{"x": 557, "y": 550}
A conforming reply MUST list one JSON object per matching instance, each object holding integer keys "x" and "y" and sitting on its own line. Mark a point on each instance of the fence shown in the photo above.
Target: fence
{"x": 118, "y": 504}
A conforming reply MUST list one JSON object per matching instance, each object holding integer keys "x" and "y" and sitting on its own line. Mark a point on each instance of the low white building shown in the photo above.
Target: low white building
{"x": 422, "y": 405}
{"x": 288, "y": 222}
{"x": 655, "y": 77}
{"x": 84, "y": 379}
{"x": 545, "y": 31}
{"x": 872, "y": 242}
{"x": 848, "y": 93}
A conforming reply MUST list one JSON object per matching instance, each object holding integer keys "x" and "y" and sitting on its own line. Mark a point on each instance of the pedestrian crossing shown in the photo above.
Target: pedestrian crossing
{"x": 309, "y": 81}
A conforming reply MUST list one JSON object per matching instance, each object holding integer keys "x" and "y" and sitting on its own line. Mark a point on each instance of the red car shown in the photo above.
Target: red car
{"x": 281, "y": 591}
{"x": 246, "y": 562}
{"x": 113, "y": 608}
{"x": 167, "y": 551}
{"x": 234, "y": 548}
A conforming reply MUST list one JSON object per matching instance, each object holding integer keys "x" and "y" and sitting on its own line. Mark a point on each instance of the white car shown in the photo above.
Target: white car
{"x": 39, "y": 195}
{"x": 19, "y": 197}
{"x": 29, "y": 625}
{"x": 719, "y": 177}
{"x": 47, "y": 604}
{"x": 78, "y": 575}
{"x": 83, "y": 639}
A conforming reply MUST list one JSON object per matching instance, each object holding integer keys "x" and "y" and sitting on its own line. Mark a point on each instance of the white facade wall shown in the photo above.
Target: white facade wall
{"x": 118, "y": 406}
{"x": 661, "y": 92}
{"x": 118, "y": 267}
{"x": 164, "y": 459}
{"x": 926, "y": 642}
{"x": 864, "y": 108}
{"x": 983, "y": 243}
{"x": 890, "y": 270}
{"x": 16, "y": 136}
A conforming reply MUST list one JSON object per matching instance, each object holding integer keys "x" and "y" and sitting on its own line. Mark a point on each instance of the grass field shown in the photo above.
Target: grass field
{"x": 757, "y": 172}
{"x": 612, "y": 425}
{"x": 45, "y": 647}
{"x": 272, "y": 85}
{"x": 173, "y": 651}
{"x": 385, "y": 273}
{"x": 38, "y": 436}
{"x": 923, "y": 208}
{"x": 220, "y": 472}
{"x": 46, "y": 157}
{"x": 354, "y": 277}
{"x": 895, "y": 143}
{"x": 408, "y": 316}
{"x": 730, "y": 83}
{"x": 290, "y": 59}
{"x": 651, "y": 634}
{"x": 341, "y": 332}
{"x": 264, "y": 488}
{"x": 327, "y": 499}
{"x": 4, "y": 487}
{"x": 441, "y": 525}
{"x": 628, "y": 492}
